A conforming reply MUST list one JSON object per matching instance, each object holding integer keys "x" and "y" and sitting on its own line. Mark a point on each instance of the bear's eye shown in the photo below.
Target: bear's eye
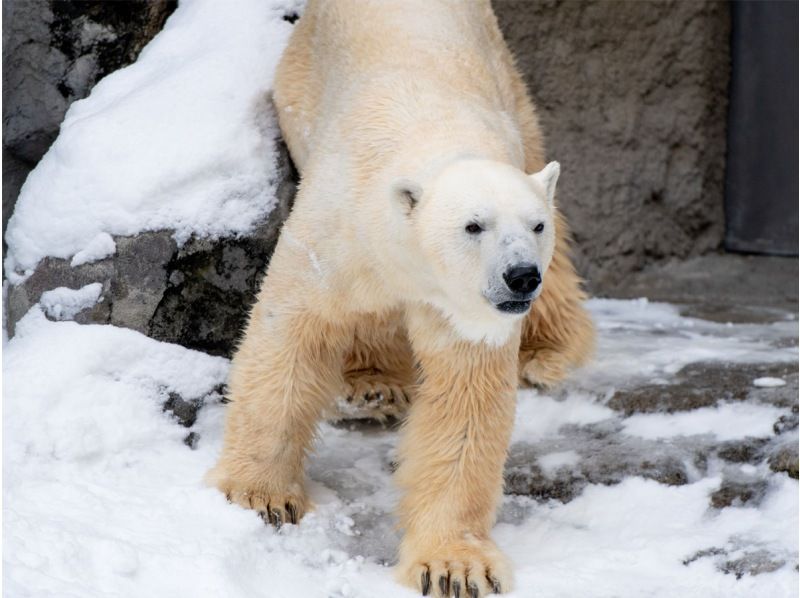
{"x": 473, "y": 228}
{"x": 538, "y": 228}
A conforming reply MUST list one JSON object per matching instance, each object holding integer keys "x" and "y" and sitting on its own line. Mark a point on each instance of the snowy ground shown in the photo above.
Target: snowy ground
{"x": 103, "y": 494}
{"x": 659, "y": 470}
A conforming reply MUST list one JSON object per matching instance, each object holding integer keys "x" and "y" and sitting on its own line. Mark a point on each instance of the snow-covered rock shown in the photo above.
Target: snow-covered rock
{"x": 53, "y": 54}
{"x": 168, "y": 184}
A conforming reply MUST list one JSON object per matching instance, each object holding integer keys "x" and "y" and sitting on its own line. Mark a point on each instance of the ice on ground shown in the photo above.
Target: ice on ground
{"x": 101, "y": 246}
{"x": 102, "y": 495}
{"x": 768, "y": 382}
{"x": 63, "y": 303}
{"x": 646, "y": 341}
{"x": 184, "y": 139}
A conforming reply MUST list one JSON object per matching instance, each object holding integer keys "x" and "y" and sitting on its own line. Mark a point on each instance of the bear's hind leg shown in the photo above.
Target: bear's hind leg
{"x": 558, "y": 333}
{"x": 379, "y": 370}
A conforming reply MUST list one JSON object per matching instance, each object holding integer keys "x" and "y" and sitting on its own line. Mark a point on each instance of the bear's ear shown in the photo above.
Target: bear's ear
{"x": 408, "y": 193}
{"x": 547, "y": 177}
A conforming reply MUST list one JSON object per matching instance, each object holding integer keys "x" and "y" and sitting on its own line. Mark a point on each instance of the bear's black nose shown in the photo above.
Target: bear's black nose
{"x": 522, "y": 278}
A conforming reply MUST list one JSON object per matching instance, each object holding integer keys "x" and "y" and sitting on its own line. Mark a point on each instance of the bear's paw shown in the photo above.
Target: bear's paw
{"x": 545, "y": 369}
{"x": 375, "y": 396}
{"x": 275, "y": 506}
{"x": 469, "y": 569}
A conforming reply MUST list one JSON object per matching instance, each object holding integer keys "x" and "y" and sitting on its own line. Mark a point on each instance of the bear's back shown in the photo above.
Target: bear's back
{"x": 345, "y": 51}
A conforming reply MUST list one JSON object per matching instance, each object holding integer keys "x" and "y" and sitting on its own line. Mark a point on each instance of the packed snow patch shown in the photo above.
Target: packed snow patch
{"x": 553, "y": 461}
{"x": 768, "y": 382}
{"x": 63, "y": 303}
{"x": 183, "y": 140}
{"x": 101, "y": 246}
{"x": 539, "y": 415}
{"x": 727, "y": 421}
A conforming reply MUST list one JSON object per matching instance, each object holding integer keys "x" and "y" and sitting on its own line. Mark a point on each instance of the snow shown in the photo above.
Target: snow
{"x": 728, "y": 421}
{"x": 554, "y": 461}
{"x": 183, "y": 139}
{"x": 537, "y": 414}
{"x": 101, "y": 246}
{"x": 63, "y": 303}
{"x": 102, "y": 496}
{"x": 768, "y": 382}
{"x": 633, "y": 538}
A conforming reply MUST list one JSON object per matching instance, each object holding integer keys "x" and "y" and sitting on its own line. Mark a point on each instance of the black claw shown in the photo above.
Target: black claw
{"x": 264, "y": 517}
{"x": 457, "y": 589}
{"x": 292, "y": 512}
{"x": 426, "y": 582}
{"x": 276, "y": 518}
{"x": 473, "y": 590}
{"x": 349, "y": 398}
{"x": 496, "y": 589}
{"x": 228, "y": 497}
{"x": 443, "y": 585}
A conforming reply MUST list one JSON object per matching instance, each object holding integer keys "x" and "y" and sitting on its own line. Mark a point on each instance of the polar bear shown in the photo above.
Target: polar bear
{"x": 424, "y": 263}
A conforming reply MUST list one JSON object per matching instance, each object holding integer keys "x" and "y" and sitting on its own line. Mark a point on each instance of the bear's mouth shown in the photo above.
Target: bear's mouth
{"x": 514, "y": 307}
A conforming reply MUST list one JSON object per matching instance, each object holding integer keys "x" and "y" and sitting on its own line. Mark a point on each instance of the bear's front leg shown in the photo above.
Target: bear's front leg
{"x": 283, "y": 375}
{"x": 451, "y": 462}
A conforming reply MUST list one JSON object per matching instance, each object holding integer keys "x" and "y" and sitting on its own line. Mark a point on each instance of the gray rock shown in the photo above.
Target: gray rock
{"x": 784, "y": 459}
{"x": 606, "y": 457}
{"x": 738, "y": 493}
{"x": 184, "y": 411}
{"x": 786, "y": 423}
{"x": 704, "y": 384}
{"x": 749, "y": 562}
{"x": 753, "y": 562}
{"x": 192, "y": 439}
{"x": 748, "y": 450}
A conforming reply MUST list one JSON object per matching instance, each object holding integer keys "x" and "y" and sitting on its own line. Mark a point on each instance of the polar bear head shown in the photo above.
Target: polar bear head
{"x": 486, "y": 230}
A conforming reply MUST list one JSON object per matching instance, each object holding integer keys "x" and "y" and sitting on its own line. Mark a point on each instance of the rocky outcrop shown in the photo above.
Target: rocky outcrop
{"x": 196, "y": 295}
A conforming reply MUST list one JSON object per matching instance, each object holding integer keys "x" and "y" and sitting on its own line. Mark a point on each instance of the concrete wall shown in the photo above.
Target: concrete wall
{"x": 633, "y": 100}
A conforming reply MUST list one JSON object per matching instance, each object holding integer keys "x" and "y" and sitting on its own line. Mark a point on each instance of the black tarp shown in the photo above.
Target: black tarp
{"x": 761, "y": 196}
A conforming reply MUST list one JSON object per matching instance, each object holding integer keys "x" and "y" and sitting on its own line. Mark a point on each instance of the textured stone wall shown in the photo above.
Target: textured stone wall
{"x": 633, "y": 100}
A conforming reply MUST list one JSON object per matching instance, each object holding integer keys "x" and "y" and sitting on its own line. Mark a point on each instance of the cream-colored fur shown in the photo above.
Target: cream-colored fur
{"x": 406, "y": 119}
